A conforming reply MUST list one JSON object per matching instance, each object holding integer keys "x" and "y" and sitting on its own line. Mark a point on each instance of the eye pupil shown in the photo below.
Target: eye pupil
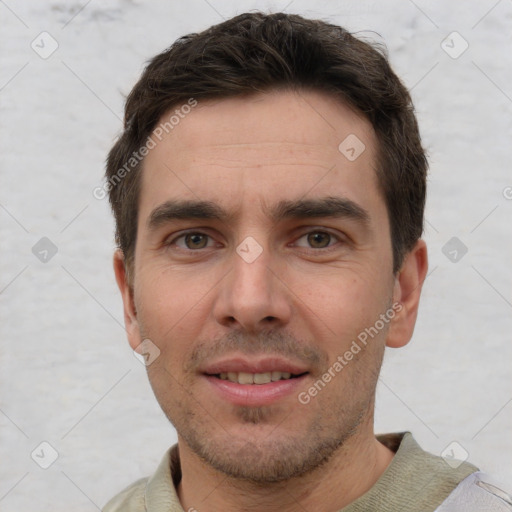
{"x": 315, "y": 238}
{"x": 195, "y": 238}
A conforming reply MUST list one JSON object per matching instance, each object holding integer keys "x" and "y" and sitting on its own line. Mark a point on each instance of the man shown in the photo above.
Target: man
{"x": 268, "y": 191}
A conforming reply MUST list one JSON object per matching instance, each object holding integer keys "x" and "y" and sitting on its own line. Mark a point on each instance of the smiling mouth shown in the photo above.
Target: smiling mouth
{"x": 256, "y": 378}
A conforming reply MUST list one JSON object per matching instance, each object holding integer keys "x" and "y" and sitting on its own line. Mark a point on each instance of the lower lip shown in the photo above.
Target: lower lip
{"x": 255, "y": 395}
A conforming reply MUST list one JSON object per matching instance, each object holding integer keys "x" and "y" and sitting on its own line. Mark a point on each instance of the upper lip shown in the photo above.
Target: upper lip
{"x": 253, "y": 365}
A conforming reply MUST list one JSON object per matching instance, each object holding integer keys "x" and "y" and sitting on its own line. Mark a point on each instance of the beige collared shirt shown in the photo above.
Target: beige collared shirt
{"x": 415, "y": 481}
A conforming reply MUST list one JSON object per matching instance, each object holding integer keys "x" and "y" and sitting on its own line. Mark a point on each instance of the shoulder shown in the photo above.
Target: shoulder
{"x": 130, "y": 499}
{"x": 476, "y": 493}
{"x": 154, "y": 492}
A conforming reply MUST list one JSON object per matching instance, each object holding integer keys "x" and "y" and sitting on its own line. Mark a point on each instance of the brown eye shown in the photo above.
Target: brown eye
{"x": 319, "y": 239}
{"x": 319, "y": 242}
{"x": 196, "y": 240}
{"x": 193, "y": 240}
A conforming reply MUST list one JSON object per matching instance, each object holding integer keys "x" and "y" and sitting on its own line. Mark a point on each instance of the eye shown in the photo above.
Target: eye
{"x": 192, "y": 241}
{"x": 318, "y": 239}
{"x": 196, "y": 240}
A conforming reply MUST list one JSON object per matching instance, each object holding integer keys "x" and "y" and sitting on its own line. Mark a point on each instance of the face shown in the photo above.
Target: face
{"x": 262, "y": 253}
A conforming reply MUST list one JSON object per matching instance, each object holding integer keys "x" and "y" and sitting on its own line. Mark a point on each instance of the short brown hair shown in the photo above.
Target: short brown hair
{"x": 257, "y": 52}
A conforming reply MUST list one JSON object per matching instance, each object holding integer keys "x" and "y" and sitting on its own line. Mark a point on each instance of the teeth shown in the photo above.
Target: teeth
{"x": 262, "y": 378}
{"x": 276, "y": 376}
{"x": 254, "y": 378}
{"x": 245, "y": 378}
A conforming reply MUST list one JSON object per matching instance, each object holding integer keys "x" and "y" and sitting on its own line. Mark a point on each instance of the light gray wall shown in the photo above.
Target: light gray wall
{"x": 68, "y": 376}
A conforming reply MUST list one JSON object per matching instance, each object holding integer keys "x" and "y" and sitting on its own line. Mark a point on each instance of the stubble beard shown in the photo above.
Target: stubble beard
{"x": 279, "y": 455}
{"x": 268, "y": 461}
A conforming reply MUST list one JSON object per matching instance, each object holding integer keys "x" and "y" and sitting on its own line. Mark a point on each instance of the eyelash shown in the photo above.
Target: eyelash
{"x": 308, "y": 249}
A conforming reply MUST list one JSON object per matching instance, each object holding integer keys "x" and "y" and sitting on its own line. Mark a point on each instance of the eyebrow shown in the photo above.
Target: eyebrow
{"x": 333, "y": 207}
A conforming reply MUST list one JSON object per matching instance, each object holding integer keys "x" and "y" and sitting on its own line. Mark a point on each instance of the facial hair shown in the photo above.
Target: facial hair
{"x": 242, "y": 453}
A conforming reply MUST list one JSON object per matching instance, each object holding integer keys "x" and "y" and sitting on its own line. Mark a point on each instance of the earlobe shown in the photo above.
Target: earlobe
{"x": 127, "y": 295}
{"x": 407, "y": 291}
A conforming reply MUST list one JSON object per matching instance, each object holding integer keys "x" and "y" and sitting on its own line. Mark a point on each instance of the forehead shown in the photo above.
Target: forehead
{"x": 307, "y": 122}
{"x": 276, "y": 145}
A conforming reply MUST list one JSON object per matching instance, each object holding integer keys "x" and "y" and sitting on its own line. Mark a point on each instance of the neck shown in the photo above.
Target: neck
{"x": 348, "y": 474}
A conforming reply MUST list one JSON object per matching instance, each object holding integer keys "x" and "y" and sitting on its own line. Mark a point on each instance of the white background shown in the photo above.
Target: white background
{"x": 67, "y": 375}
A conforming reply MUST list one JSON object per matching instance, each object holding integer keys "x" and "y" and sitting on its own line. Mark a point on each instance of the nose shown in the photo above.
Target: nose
{"x": 253, "y": 296}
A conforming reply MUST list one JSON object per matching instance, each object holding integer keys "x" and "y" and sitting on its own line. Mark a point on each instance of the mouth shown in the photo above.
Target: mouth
{"x": 256, "y": 378}
{"x": 255, "y": 382}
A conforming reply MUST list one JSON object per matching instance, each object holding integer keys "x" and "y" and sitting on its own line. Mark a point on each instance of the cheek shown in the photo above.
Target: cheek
{"x": 171, "y": 309}
{"x": 343, "y": 308}
{"x": 166, "y": 294}
{"x": 343, "y": 290}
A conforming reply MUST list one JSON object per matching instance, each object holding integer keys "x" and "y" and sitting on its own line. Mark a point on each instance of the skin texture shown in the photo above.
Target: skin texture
{"x": 305, "y": 298}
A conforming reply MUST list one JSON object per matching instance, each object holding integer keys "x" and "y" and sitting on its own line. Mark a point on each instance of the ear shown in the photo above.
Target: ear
{"x": 130, "y": 313}
{"x": 408, "y": 283}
